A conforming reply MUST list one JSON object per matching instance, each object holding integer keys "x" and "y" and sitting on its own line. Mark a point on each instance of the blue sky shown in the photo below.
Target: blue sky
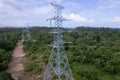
{"x": 94, "y": 13}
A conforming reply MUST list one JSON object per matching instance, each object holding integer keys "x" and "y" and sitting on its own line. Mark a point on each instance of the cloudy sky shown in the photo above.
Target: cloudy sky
{"x": 95, "y": 13}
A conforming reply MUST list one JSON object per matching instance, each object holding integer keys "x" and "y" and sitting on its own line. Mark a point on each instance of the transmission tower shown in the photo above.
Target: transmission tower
{"x": 28, "y": 32}
{"x": 58, "y": 67}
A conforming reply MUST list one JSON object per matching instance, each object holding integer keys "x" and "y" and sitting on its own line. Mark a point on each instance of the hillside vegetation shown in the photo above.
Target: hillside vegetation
{"x": 93, "y": 55}
{"x": 8, "y": 39}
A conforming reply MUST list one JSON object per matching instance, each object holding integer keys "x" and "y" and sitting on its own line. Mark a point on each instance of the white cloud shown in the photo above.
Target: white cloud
{"x": 19, "y": 12}
{"x": 117, "y": 19}
{"x": 12, "y": 15}
{"x": 1, "y": 3}
{"x": 12, "y": 3}
{"x": 109, "y": 4}
{"x": 78, "y": 18}
{"x": 56, "y": 1}
{"x": 112, "y": 20}
{"x": 8, "y": 8}
{"x": 43, "y": 10}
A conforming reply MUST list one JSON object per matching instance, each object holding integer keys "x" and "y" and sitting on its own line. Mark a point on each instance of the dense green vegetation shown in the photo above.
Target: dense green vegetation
{"x": 93, "y": 55}
{"x": 36, "y": 51}
{"x": 8, "y": 39}
{"x": 97, "y": 51}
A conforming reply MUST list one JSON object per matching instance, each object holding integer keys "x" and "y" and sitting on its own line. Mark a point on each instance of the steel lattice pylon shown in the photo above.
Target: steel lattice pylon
{"x": 58, "y": 67}
{"x": 28, "y": 33}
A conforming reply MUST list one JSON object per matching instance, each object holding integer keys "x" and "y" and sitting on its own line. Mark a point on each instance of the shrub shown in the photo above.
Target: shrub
{"x": 5, "y": 76}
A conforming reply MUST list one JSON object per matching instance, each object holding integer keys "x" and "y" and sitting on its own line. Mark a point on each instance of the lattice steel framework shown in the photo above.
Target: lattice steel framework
{"x": 58, "y": 67}
{"x": 28, "y": 32}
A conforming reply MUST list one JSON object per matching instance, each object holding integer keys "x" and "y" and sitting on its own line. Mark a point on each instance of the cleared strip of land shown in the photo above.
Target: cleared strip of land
{"x": 16, "y": 68}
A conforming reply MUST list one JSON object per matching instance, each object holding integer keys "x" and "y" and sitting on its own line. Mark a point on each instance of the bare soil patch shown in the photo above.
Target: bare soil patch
{"x": 16, "y": 68}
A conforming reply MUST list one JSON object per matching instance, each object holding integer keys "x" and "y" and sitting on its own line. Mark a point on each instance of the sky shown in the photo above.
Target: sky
{"x": 94, "y": 13}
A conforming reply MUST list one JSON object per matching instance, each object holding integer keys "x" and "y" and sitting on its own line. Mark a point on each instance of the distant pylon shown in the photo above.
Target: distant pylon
{"x": 28, "y": 33}
{"x": 58, "y": 67}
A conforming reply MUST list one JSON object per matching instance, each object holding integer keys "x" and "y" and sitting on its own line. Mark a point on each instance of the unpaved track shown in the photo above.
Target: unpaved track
{"x": 16, "y": 68}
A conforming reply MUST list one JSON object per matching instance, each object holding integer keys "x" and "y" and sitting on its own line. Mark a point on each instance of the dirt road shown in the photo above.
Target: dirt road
{"x": 16, "y": 66}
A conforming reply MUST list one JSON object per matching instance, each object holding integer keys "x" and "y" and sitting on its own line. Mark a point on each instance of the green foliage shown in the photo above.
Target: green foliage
{"x": 43, "y": 39}
{"x": 5, "y": 76}
{"x": 8, "y": 39}
{"x": 98, "y": 47}
{"x": 30, "y": 66}
{"x": 93, "y": 55}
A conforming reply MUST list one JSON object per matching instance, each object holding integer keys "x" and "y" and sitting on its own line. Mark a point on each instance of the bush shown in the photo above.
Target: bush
{"x": 5, "y": 76}
{"x": 29, "y": 66}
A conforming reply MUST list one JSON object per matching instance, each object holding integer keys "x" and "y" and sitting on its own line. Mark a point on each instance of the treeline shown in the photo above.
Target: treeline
{"x": 8, "y": 39}
{"x": 93, "y": 55}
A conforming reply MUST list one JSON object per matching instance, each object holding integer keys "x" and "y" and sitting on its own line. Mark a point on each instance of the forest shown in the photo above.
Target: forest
{"x": 93, "y": 55}
{"x": 8, "y": 39}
